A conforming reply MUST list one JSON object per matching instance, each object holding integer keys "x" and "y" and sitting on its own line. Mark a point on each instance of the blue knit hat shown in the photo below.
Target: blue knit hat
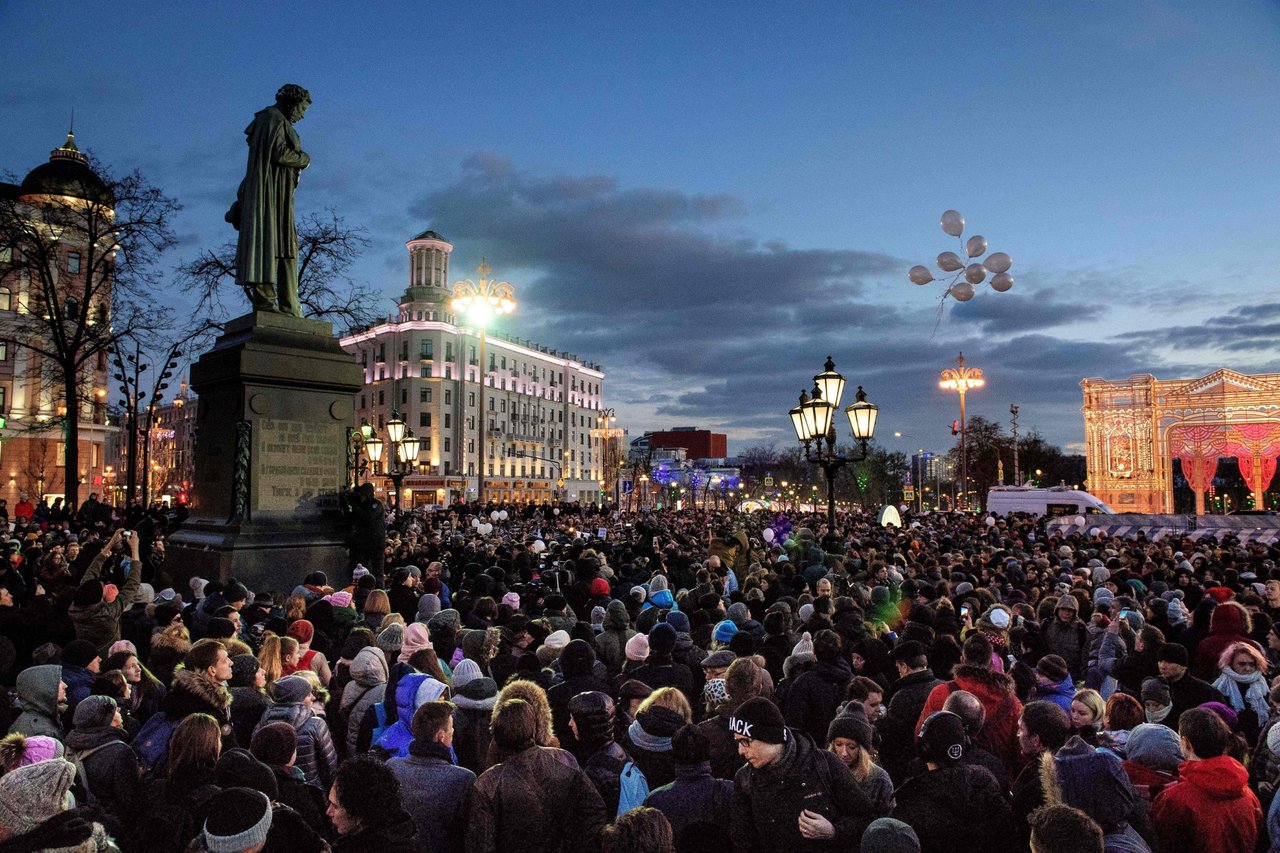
{"x": 724, "y": 631}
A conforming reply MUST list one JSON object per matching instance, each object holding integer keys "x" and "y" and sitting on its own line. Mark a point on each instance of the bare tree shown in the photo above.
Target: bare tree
{"x": 85, "y": 275}
{"x": 37, "y": 468}
{"x": 327, "y": 247}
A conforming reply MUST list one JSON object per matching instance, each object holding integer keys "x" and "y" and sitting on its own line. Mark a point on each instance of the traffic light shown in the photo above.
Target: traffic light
{"x": 955, "y": 427}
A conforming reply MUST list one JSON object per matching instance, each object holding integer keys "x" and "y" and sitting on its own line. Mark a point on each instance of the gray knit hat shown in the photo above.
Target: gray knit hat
{"x": 33, "y": 793}
{"x": 239, "y": 819}
{"x": 94, "y": 712}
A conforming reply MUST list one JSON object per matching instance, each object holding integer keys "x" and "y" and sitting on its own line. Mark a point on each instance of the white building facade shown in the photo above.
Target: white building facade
{"x": 533, "y": 436}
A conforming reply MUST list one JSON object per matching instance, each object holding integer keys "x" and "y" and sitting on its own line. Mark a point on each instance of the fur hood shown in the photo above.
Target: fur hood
{"x": 1091, "y": 780}
{"x": 191, "y": 694}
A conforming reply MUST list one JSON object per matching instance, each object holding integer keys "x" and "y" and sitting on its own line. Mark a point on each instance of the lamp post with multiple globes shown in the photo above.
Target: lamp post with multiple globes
{"x": 962, "y": 379}
{"x": 814, "y": 423}
{"x": 404, "y": 447}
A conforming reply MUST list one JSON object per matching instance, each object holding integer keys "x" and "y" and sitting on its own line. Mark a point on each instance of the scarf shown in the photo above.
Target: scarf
{"x": 1244, "y": 691}
{"x": 646, "y": 741}
{"x": 1158, "y": 716}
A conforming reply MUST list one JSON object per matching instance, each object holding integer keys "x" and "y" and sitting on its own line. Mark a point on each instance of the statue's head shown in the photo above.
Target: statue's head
{"x": 293, "y": 101}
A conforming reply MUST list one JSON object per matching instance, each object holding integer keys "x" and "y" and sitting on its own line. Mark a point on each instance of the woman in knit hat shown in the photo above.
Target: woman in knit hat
{"x": 294, "y": 699}
{"x": 308, "y": 658}
{"x": 648, "y": 739}
{"x": 852, "y": 738}
{"x": 31, "y": 797}
{"x": 18, "y": 750}
{"x": 249, "y": 699}
{"x": 474, "y": 694}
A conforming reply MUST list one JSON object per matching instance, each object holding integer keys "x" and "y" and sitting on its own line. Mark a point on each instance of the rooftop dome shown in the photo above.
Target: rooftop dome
{"x": 429, "y": 235}
{"x": 66, "y": 174}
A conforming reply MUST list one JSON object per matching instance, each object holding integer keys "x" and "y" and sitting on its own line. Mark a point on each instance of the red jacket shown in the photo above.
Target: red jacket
{"x": 1209, "y": 810}
{"x": 999, "y": 734}
{"x": 1227, "y": 625}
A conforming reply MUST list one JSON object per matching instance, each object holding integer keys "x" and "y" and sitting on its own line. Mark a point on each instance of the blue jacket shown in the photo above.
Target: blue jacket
{"x": 411, "y": 691}
{"x": 694, "y": 797}
{"x": 1059, "y": 694}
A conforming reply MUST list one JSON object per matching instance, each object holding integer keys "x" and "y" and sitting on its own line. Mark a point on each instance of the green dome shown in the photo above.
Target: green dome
{"x": 67, "y": 174}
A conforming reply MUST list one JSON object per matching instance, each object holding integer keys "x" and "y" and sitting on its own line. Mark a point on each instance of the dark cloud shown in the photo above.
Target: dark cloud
{"x": 1009, "y": 313}
{"x": 1248, "y": 328}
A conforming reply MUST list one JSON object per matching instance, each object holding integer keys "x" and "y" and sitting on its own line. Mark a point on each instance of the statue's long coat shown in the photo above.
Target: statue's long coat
{"x": 265, "y": 199}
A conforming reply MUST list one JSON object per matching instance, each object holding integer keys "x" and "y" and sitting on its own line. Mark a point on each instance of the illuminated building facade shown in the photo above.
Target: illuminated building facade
{"x": 1136, "y": 428}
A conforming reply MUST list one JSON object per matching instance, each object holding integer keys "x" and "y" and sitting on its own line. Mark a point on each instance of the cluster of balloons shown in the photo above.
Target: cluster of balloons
{"x": 974, "y": 272}
{"x": 498, "y": 515}
{"x": 484, "y": 528}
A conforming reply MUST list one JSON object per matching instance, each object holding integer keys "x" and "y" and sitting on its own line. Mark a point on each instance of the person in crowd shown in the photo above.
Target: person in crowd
{"x": 537, "y": 798}
{"x": 1186, "y": 691}
{"x": 178, "y": 797}
{"x": 642, "y": 830}
{"x": 1043, "y": 728}
{"x": 294, "y": 703}
{"x": 660, "y": 669}
{"x": 112, "y": 775}
{"x": 434, "y": 790}
{"x": 696, "y": 802}
{"x": 303, "y": 633}
{"x": 852, "y": 738}
{"x": 36, "y": 812}
{"x": 648, "y": 739}
{"x": 953, "y": 805}
{"x": 1054, "y": 682}
{"x": 592, "y": 722}
{"x": 1210, "y": 808}
{"x": 366, "y": 812}
{"x": 577, "y": 662}
{"x": 42, "y": 695}
{"x": 146, "y": 692}
{"x": 811, "y": 703}
{"x": 1087, "y": 710}
{"x": 1242, "y": 680}
{"x": 1093, "y": 781}
{"x": 1062, "y": 829}
{"x": 276, "y": 746}
{"x": 249, "y": 699}
{"x": 907, "y": 698}
{"x": 1229, "y": 625}
{"x": 96, "y": 607}
{"x": 1120, "y": 715}
{"x": 1153, "y": 755}
{"x": 1067, "y": 637}
{"x": 791, "y": 793}
{"x": 366, "y": 688}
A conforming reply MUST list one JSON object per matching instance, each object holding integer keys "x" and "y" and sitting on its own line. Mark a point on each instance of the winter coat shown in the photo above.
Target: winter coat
{"x": 248, "y": 704}
{"x": 811, "y": 703}
{"x": 603, "y": 768}
{"x": 37, "y": 690}
{"x": 1059, "y": 694}
{"x": 114, "y": 774}
{"x": 471, "y": 732}
{"x": 394, "y": 832}
{"x": 191, "y": 694}
{"x": 725, "y": 760}
{"x": 558, "y": 697}
{"x": 366, "y": 688}
{"x": 317, "y": 759}
{"x": 694, "y": 797}
{"x": 898, "y": 726}
{"x": 79, "y": 683}
{"x": 957, "y": 808}
{"x": 307, "y": 800}
{"x": 411, "y": 690}
{"x": 537, "y": 800}
{"x": 658, "y": 671}
{"x": 612, "y": 642}
{"x": 999, "y": 734}
{"x": 100, "y": 623}
{"x": 767, "y": 802}
{"x": 1068, "y": 640}
{"x": 1189, "y": 692}
{"x": 437, "y": 795}
{"x": 1209, "y": 810}
{"x": 1226, "y": 627}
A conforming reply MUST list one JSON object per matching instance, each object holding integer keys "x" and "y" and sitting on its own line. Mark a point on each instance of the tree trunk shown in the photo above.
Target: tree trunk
{"x": 71, "y": 455}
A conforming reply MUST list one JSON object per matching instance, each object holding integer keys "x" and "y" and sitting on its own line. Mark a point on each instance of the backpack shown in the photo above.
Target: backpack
{"x": 632, "y": 788}
{"x": 84, "y": 794}
{"x": 152, "y": 742}
{"x": 380, "y": 714}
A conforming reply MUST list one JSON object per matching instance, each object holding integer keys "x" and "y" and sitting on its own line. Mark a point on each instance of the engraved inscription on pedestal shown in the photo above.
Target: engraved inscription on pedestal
{"x": 295, "y": 466}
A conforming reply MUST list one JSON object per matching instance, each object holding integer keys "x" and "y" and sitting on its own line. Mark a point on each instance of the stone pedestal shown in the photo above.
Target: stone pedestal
{"x": 275, "y": 406}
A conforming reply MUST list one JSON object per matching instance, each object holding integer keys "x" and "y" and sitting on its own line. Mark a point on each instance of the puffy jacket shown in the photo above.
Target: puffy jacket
{"x": 767, "y": 802}
{"x": 1059, "y": 694}
{"x": 1229, "y": 624}
{"x": 537, "y": 800}
{"x": 1068, "y": 640}
{"x": 412, "y": 690}
{"x": 1209, "y": 810}
{"x": 37, "y": 690}
{"x": 999, "y": 734}
{"x": 612, "y": 642}
{"x": 317, "y": 759}
{"x": 366, "y": 688}
{"x": 811, "y": 702}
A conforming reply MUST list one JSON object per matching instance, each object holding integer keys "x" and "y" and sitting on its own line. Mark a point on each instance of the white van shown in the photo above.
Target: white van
{"x": 1058, "y": 500}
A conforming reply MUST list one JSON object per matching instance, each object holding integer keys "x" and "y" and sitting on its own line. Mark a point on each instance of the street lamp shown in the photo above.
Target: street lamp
{"x": 481, "y": 301}
{"x": 403, "y": 456}
{"x": 964, "y": 277}
{"x": 961, "y": 379}
{"x": 608, "y": 434}
{"x": 813, "y": 421}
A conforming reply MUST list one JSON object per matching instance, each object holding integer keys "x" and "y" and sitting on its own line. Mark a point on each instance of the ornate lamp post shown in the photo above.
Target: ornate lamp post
{"x": 481, "y": 301}
{"x": 964, "y": 277}
{"x": 404, "y": 449}
{"x": 814, "y": 424}
{"x": 608, "y": 434}
{"x": 961, "y": 379}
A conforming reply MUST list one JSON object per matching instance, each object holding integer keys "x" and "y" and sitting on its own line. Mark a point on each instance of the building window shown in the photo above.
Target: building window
{"x": 448, "y": 351}
{"x": 471, "y": 445}
{"x": 363, "y": 403}
{"x": 382, "y": 351}
{"x": 424, "y": 419}
{"x": 73, "y": 262}
{"x": 6, "y": 255}
{"x": 4, "y": 399}
{"x": 471, "y": 398}
{"x": 6, "y": 299}
{"x": 448, "y": 397}
{"x": 447, "y": 444}
{"x": 424, "y": 395}
{"x": 425, "y": 372}
{"x": 382, "y": 398}
{"x": 491, "y": 404}
{"x": 404, "y": 396}
{"x": 448, "y": 370}
{"x": 448, "y": 422}
{"x": 428, "y": 348}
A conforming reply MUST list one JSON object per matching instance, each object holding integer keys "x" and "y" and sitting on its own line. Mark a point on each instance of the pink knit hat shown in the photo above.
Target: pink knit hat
{"x": 511, "y": 600}
{"x": 41, "y": 748}
{"x": 415, "y": 638}
{"x": 122, "y": 646}
{"x": 339, "y": 599}
{"x": 638, "y": 647}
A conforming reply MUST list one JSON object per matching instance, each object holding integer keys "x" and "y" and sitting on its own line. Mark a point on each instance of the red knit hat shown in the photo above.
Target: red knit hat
{"x": 600, "y": 586}
{"x": 301, "y": 630}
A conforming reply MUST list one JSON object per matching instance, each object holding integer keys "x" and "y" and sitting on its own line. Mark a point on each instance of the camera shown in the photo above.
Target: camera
{"x": 126, "y": 535}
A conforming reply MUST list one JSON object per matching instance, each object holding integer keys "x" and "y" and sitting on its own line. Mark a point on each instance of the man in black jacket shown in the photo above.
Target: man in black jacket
{"x": 792, "y": 795}
{"x": 1185, "y": 689}
{"x": 906, "y": 701}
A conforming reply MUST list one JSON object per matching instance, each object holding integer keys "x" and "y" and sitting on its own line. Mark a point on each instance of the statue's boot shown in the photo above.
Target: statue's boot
{"x": 262, "y": 295}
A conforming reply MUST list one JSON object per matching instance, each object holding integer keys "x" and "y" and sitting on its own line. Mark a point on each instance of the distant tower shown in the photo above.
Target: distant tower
{"x": 428, "y": 267}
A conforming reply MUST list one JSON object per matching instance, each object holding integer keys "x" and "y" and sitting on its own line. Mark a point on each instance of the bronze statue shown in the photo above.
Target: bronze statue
{"x": 267, "y": 249}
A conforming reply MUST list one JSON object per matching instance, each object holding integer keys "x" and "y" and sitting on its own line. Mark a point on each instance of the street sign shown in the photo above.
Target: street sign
{"x": 627, "y": 486}
{"x": 908, "y": 493}
{"x": 768, "y": 482}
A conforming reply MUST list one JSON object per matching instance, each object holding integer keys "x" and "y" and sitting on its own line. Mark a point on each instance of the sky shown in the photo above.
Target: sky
{"x": 710, "y": 198}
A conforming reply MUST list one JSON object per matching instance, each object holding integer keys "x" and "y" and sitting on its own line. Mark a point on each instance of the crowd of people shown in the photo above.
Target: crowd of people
{"x": 578, "y": 679}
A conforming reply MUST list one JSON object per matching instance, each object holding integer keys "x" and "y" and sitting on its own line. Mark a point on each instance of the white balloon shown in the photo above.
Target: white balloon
{"x": 768, "y": 534}
{"x": 975, "y": 274}
{"x": 1001, "y": 281}
{"x": 990, "y": 522}
{"x": 555, "y": 511}
{"x": 920, "y": 275}
{"x": 494, "y": 515}
{"x": 949, "y": 261}
{"x": 962, "y": 291}
{"x": 487, "y": 528}
{"x": 998, "y": 262}
{"x": 976, "y": 245}
{"x": 539, "y": 546}
{"x": 952, "y": 223}
{"x": 1079, "y": 520}
{"x": 475, "y": 522}
{"x": 503, "y": 515}
{"x": 1093, "y": 531}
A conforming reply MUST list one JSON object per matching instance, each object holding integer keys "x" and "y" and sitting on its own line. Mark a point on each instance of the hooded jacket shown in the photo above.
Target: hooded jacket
{"x": 100, "y": 623}
{"x": 366, "y": 688}
{"x": 1210, "y": 810}
{"x": 612, "y": 642}
{"x": 767, "y": 801}
{"x": 317, "y": 759}
{"x": 1094, "y": 782}
{"x": 37, "y": 689}
{"x": 999, "y": 734}
{"x": 811, "y": 702}
{"x": 1226, "y": 626}
{"x": 474, "y": 694}
{"x": 1059, "y": 694}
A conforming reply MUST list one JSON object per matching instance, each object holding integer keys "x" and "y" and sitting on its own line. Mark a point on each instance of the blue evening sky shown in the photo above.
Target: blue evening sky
{"x": 708, "y": 198}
